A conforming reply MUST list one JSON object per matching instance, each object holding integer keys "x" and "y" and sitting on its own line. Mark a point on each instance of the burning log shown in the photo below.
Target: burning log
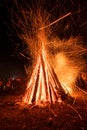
{"x": 44, "y": 86}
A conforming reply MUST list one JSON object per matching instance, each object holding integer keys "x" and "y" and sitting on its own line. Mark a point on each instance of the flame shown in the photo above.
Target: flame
{"x": 55, "y": 73}
{"x": 44, "y": 86}
{"x": 66, "y": 72}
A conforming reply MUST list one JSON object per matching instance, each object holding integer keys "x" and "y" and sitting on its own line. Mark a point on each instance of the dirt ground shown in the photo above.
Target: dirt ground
{"x": 61, "y": 116}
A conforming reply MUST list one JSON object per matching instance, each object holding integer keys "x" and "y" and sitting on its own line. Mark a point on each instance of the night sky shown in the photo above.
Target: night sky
{"x": 10, "y": 64}
{"x": 10, "y": 61}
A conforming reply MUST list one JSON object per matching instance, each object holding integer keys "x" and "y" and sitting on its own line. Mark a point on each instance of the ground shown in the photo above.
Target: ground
{"x": 61, "y": 116}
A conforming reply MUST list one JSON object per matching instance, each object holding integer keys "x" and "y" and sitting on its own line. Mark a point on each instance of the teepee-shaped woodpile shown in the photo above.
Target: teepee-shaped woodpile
{"x": 44, "y": 86}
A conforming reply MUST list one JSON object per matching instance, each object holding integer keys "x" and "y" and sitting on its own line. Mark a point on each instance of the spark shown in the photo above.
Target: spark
{"x": 75, "y": 111}
{"x": 66, "y": 15}
{"x": 83, "y": 24}
{"x": 26, "y": 57}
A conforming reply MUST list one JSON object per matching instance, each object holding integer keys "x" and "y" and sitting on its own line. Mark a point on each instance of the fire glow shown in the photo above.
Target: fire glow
{"x": 53, "y": 74}
{"x": 44, "y": 86}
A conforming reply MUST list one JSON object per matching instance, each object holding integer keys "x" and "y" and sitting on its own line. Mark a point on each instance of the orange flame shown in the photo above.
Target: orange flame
{"x": 44, "y": 86}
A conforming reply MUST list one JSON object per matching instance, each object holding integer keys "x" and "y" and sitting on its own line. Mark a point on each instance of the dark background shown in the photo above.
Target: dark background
{"x": 11, "y": 63}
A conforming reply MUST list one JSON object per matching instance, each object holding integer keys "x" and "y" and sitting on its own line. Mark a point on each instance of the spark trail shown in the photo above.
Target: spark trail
{"x": 66, "y": 15}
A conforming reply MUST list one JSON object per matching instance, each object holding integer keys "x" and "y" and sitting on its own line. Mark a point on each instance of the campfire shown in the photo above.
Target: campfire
{"x": 57, "y": 63}
{"x": 44, "y": 86}
{"x": 44, "y": 38}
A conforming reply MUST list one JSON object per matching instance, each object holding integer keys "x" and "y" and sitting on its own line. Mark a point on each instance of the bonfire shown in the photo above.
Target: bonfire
{"x": 54, "y": 72}
{"x": 44, "y": 86}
